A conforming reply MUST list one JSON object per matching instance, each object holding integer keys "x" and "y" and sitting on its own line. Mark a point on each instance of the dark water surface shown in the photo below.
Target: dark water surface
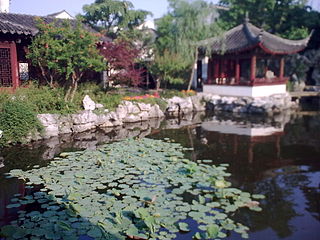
{"x": 278, "y": 157}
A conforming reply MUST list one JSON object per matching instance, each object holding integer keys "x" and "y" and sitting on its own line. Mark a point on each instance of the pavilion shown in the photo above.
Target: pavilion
{"x": 246, "y": 61}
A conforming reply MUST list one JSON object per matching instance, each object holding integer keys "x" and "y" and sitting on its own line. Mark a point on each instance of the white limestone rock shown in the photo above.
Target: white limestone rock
{"x": 88, "y": 103}
{"x": 84, "y": 117}
{"x": 83, "y": 127}
{"x": 155, "y": 112}
{"x": 198, "y": 103}
{"x": 65, "y": 124}
{"x": 144, "y": 106}
{"x": 50, "y": 124}
{"x": 99, "y": 105}
{"x": 131, "y": 118}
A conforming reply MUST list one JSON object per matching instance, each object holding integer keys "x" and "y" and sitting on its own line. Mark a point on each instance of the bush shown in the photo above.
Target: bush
{"x": 17, "y": 120}
{"x": 175, "y": 93}
{"x": 45, "y": 99}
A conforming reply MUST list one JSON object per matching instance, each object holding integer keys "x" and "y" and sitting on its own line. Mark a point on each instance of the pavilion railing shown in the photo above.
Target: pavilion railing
{"x": 245, "y": 82}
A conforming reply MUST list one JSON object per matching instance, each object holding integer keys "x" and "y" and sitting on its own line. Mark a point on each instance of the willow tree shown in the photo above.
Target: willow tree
{"x": 179, "y": 31}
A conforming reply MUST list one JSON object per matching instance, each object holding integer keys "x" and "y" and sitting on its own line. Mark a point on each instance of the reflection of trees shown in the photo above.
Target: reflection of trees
{"x": 9, "y": 187}
{"x": 305, "y": 131}
{"x": 275, "y": 170}
{"x": 22, "y": 157}
{"x": 278, "y": 207}
{"x": 312, "y": 194}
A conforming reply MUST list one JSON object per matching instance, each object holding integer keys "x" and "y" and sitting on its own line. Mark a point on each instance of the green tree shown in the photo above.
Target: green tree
{"x": 113, "y": 16}
{"x": 179, "y": 31}
{"x": 67, "y": 49}
{"x": 292, "y": 19}
{"x": 168, "y": 67}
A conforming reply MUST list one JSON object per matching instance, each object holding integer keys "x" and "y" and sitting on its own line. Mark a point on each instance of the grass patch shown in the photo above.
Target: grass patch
{"x": 175, "y": 93}
{"x": 17, "y": 120}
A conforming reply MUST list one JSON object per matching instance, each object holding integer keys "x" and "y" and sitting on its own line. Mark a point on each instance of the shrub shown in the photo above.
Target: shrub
{"x": 45, "y": 99}
{"x": 175, "y": 93}
{"x": 17, "y": 120}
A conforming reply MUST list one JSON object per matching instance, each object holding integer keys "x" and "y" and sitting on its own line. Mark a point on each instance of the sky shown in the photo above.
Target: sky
{"x": 45, "y": 7}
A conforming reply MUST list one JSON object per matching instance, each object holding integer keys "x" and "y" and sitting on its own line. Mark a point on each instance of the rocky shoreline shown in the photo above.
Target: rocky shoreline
{"x": 95, "y": 116}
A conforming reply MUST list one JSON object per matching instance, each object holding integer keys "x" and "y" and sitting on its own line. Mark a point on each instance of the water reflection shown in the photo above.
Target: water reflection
{"x": 278, "y": 157}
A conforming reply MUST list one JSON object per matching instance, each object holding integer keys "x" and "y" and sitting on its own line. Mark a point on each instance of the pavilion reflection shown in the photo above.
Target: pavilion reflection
{"x": 241, "y": 137}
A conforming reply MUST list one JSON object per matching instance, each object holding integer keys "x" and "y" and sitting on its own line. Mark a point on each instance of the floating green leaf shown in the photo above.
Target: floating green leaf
{"x": 134, "y": 188}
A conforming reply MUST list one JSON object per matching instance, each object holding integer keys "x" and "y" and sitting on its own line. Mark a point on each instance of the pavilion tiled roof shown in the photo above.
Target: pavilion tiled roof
{"x": 247, "y": 36}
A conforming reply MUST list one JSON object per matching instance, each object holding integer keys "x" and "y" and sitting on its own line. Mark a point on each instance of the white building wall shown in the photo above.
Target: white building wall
{"x": 205, "y": 69}
{"x": 238, "y": 129}
{"x": 64, "y": 15}
{"x": 4, "y": 6}
{"x": 245, "y": 91}
{"x": 194, "y": 80}
{"x": 204, "y": 72}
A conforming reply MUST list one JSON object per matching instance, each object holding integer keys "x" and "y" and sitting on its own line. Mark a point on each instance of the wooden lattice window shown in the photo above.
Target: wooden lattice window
{"x": 5, "y": 68}
{"x": 8, "y": 65}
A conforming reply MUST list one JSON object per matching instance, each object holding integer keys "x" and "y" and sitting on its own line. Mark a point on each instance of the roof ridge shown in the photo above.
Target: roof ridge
{"x": 20, "y": 14}
{"x": 289, "y": 41}
{"x": 18, "y": 25}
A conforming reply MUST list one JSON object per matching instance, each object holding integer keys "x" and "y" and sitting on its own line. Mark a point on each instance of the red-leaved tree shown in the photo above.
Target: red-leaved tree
{"x": 121, "y": 57}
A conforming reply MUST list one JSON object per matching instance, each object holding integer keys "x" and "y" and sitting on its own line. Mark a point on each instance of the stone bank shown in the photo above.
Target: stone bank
{"x": 95, "y": 116}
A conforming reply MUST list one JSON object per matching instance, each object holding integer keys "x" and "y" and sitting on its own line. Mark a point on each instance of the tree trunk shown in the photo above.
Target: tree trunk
{"x": 66, "y": 97}
{"x": 43, "y": 73}
{"x": 158, "y": 84}
{"x": 193, "y": 69}
{"x": 74, "y": 89}
{"x": 51, "y": 81}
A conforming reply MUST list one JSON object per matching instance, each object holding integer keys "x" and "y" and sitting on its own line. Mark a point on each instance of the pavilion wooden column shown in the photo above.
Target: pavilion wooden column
{"x": 216, "y": 70}
{"x": 253, "y": 68}
{"x": 237, "y": 71}
{"x": 281, "y": 72}
{"x": 209, "y": 71}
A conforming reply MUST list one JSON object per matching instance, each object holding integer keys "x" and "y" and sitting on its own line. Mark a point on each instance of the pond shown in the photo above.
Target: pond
{"x": 277, "y": 157}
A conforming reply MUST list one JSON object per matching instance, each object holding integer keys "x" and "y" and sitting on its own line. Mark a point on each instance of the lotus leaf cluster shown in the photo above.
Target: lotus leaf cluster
{"x": 134, "y": 189}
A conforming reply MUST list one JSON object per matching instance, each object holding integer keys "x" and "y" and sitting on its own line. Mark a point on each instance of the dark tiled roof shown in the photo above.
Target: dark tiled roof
{"x": 21, "y": 24}
{"x": 246, "y": 36}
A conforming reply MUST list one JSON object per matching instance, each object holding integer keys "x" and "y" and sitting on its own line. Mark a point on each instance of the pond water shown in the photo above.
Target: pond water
{"x": 278, "y": 157}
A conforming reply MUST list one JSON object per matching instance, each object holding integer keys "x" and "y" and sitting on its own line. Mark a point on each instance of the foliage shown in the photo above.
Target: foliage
{"x": 68, "y": 49}
{"x": 113, "y": 16}
{"x": 17, "y": 120}
{"x": 175, "y": 93}
{"x": 298, "y": 66}
{"x": 121, "y": 57}
{"x": 187, "y": 23}
{"x": 155, "y": 95}
{"x": 132, "y": 189}
{"x": 45, "y": 99}
{"x": 169, "y": 68}
{"x": 110, "y": 100}
{"x": 292, "y": 19}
